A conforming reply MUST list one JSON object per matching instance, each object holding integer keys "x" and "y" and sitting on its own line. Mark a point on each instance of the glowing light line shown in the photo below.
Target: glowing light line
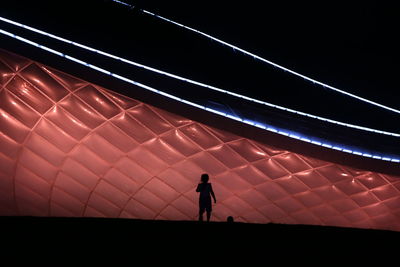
{"x": 386, "y": 158}
{"x": 266, "y": 60}
{"x": 198, "y": 83}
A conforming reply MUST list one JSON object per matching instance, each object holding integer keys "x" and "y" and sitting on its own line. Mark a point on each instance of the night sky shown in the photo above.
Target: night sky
{"x": 350, "y": 46}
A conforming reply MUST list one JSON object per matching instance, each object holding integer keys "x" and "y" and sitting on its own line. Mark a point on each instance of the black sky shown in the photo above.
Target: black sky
{"x": 352, "y": 46}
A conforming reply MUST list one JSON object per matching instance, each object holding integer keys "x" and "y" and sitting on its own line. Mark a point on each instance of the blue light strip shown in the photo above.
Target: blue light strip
{"x": 199, "y": 83}
{"x": 266, "y": 60}
{"x": 265, "y": 127}
{"x": 122, "y": 3}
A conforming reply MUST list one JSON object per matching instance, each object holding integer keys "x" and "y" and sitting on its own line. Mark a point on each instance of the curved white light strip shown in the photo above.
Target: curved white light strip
{"x": 198, "y": 83}
{"x": 266, "y": 60}
{"x": 122, "y": 3}
{"x": 262, "y": 126}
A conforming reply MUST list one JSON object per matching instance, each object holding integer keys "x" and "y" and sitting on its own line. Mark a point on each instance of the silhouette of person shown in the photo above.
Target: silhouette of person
{"x": 229, "y": 219}
{"x": 206, "y": 191}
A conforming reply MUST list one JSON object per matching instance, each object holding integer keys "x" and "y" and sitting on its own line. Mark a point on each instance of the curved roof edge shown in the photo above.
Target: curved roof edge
{"x": 203, "y": 115}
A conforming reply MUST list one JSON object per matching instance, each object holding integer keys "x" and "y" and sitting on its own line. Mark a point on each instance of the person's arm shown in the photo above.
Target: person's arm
{"x": 198, "y": 189}
{"x": 212, "y": 194}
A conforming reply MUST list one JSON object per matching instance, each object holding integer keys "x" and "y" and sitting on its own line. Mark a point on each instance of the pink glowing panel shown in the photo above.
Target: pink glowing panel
{"x": 23, "y": 113}
{"x": 15, "y": 62}
{"x": 79, "y": 109}
{"x": 6, "y": 73}
{"x": 29, "y": 94}
{"x": 38, "y": 77}
{"x": 71, "y": 148}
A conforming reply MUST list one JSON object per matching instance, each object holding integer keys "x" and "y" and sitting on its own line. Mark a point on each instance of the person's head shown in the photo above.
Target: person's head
{"x": 229, "y": 219}
{"x": 204, "y": 178}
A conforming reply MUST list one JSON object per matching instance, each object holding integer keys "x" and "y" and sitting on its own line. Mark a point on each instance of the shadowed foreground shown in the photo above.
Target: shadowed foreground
{"x": 130, "y": 241}
{"x": 160, "y": 233}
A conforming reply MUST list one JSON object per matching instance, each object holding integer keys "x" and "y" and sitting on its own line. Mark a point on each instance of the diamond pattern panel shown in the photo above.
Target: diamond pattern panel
{"x": 27, "y": 93}
{"x": 37, "y": 76}
{"x": 18, "y": 109}
{"x": 71, "y": 148}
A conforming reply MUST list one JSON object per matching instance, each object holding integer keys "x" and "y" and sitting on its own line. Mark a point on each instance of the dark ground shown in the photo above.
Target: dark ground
{"x": 183, "y": 242}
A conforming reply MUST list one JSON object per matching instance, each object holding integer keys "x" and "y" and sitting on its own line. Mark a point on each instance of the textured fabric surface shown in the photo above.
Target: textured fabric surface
{"x": 71, "y": 148}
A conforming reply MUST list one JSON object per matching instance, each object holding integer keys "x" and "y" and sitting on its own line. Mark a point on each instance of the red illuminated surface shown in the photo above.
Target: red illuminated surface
{"x": 71, "y": 148}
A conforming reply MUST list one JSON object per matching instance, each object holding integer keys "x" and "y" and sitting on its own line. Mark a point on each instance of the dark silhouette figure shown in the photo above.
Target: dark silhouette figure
{"x": 229, "y": 219}
{"x": 206, "y": 191}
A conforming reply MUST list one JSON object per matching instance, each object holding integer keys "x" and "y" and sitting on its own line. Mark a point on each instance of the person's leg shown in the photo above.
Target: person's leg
{"x": 208, "y": 209}
{"x": 201, "y": 211}
{"x": 208, "y": 215}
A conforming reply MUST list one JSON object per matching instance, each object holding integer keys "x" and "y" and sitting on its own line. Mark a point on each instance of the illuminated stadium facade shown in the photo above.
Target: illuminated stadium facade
{"x": 72, "y": 148}
{"x": 105, "y": 145}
